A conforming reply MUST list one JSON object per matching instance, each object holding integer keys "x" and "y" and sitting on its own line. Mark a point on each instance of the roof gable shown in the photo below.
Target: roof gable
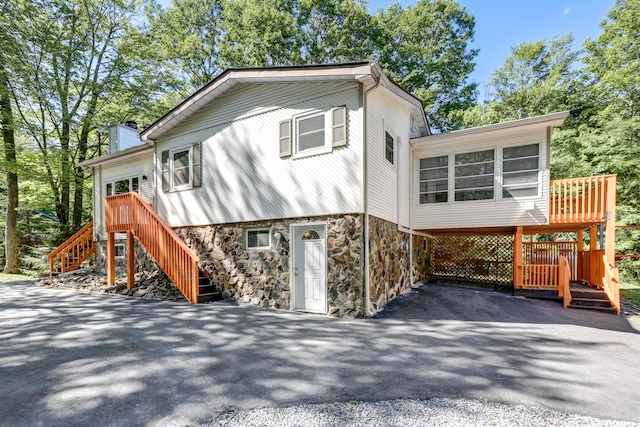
{"x": 363, "y": 72}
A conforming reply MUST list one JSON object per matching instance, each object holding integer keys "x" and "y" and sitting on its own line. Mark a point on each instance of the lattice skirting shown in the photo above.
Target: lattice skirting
{"x": 473, "y": 258}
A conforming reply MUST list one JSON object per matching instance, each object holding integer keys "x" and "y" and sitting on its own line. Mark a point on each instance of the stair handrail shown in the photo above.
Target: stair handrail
{"x": 84, "y": 234}
{"x": 164, "y": 245}
{"x": 611, "y": 284}
{"x": 564, "y": 287}
{"x": 70, "y": 240}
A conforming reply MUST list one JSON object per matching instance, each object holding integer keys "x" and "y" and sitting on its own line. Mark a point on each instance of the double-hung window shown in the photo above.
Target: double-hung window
{"x": 181, "y": 168}
{"x": 389, "y": 147}
{"x": 315, "y": 132}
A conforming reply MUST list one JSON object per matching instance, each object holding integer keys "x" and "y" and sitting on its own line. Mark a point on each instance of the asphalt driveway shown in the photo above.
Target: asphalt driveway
{"x": 72, "y": 359}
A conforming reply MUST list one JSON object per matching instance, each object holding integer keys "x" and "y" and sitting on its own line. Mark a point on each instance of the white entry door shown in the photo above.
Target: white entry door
{"x": 310, "y": 268}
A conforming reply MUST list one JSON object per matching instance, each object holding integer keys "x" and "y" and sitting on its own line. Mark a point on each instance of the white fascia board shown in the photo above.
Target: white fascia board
{"x": 547, "y": 120}
{"x": 117, "y": 157}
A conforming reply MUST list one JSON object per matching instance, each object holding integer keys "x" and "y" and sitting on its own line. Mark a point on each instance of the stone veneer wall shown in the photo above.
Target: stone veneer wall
{"x": 388, "y": 262}
{"x": 261, "y": 277}
{"x": 421, "y": 268}
{"x": 143, "y": 262}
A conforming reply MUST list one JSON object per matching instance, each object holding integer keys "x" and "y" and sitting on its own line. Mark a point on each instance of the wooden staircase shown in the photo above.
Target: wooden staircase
{"x": 207, "y": 291}
{"x": 589, "y": 298}
{"x": 73, "y": 252}
{"x": 130, "y": 213}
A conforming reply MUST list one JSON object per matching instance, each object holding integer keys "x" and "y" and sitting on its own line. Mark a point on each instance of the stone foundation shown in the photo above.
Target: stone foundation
{"x": 421, "y": 268}
{"x": 261, "y": 277}
{"x": 389, "y": 259}
{"x": 388, "y": 262}
{"x": 143, "y": 262}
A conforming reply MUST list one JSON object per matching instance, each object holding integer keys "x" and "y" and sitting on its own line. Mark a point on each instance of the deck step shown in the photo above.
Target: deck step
{"x": 590, "y": 302}
{"x": 206, "y": 291}
{"x": 609, "y": 309}
{"x": 210, "y": 296}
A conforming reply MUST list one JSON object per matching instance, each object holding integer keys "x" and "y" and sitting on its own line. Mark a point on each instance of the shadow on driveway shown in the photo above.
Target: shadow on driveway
{"x": 72, "y": 359}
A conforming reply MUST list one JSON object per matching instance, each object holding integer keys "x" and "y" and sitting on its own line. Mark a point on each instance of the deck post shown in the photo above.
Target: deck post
{"x": 593, "y": 247}
{"x": 610, "y": 225}
{"x": 111, "y": 259}
{"x": 131, "y": 260}
{"x": 517, "y": 258}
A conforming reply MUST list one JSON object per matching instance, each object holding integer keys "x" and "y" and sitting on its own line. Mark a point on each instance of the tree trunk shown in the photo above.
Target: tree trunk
{"x": 12, "y": 264}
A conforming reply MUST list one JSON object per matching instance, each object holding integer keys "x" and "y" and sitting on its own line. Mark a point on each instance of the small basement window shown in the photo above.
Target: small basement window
{"x": 119, "y": 250}
{"x": 259, "y": 238}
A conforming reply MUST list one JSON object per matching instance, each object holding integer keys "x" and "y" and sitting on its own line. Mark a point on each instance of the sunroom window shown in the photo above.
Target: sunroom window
{"x": 474, "y": 179}
{"x": 520, "y": 171}
{"x": 434, "y": 179}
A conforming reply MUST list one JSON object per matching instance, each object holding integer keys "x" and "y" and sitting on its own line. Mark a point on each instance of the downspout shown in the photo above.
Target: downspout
{"x": 367, "y": 304}
{"x": 411, "y": 281}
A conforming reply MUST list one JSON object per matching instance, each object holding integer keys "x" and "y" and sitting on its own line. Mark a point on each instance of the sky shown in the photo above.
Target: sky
{"x": 502, "y": 24}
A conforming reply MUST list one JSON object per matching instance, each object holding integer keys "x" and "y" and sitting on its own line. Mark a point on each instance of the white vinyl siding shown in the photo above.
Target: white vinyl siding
{"x": 244, "y": 177}
{"x": 388, "y": 194}
{"x": 512, "y": 169}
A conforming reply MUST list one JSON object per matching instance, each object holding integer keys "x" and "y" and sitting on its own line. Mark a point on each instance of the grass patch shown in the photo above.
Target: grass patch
{"x": 10, "y": 277}
{"x": 630, "y": 292}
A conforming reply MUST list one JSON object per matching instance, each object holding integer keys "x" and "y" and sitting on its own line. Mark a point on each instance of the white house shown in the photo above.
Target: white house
{"x": 318, "y": 188}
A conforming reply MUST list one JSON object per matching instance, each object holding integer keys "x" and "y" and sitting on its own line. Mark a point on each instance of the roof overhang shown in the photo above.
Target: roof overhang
{"x": 361, "y": 72}
{"x": 548, "y": 120}
{"x": 117, "y": 157}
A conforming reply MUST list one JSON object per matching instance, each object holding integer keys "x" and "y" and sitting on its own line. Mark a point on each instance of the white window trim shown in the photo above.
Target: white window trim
{"x": 395, "y": 148}
{"x": 257, "y": 248}
{"x": 188, "y": 185}
{"x": 328, "y": 131}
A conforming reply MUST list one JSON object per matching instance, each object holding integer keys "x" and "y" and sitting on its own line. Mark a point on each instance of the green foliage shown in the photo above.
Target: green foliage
{"x": 425, "y": 49}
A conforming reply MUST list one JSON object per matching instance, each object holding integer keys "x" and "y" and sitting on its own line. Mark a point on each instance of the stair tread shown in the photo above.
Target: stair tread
{"x": 594, "y": 308}
{"x": 590, "y": 299}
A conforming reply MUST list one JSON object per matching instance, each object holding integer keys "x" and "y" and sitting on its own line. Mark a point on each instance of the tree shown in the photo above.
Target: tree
{"x": 69, "y": 60}
{"x": 12, "y": 264}
{"x": 260, "y": 33}
{"x": 425, "y": 49}
{"x": 537, "y": 78}
{"x": 336, "y": 31}
{"x": 186, "y": 38}
{"x": 611, "y": 131}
